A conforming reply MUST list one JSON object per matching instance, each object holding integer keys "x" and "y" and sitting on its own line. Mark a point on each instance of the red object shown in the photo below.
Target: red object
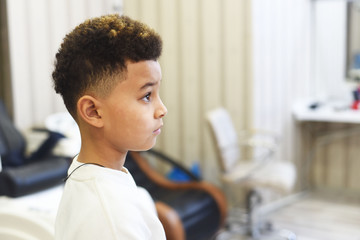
{"x": 355, "y": 105}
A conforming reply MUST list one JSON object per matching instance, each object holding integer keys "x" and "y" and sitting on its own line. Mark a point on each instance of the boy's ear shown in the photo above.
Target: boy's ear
{"x": 88, "y": 110}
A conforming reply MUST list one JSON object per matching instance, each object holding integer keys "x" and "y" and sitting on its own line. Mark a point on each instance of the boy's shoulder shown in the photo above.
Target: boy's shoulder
{"x": 92, "y": 172}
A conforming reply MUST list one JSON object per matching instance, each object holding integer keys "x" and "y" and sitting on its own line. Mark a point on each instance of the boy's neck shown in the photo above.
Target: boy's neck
{"x": 114, "y": 161}
{"x": 95, "y": 150}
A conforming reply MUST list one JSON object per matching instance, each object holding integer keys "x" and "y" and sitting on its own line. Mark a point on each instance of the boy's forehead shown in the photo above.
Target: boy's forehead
{"x": 140, "y": 75}
{"x": 144, "y": 71}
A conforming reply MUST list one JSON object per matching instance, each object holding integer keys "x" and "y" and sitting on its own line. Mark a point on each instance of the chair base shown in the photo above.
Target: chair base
{"x": 241, "y": 225}
{"x": 238, "y": 231}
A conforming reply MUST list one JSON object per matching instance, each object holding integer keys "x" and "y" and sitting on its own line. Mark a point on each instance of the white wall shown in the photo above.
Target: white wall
{"x": 329, "y": 23}
{"x": 281, "y": 66}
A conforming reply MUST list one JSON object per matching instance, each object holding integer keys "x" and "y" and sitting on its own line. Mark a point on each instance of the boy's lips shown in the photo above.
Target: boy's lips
{"x": 158, "y": 130}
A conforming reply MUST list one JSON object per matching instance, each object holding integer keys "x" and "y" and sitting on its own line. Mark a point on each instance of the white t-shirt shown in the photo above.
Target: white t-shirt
{"x": 103, "y": 203}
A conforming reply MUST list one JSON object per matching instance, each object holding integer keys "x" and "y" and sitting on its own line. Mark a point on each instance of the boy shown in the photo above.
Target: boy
{"x": 107, "y": 73}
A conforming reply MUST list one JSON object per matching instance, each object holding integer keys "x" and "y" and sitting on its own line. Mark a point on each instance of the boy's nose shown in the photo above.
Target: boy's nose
{"x": 161, "y": 111}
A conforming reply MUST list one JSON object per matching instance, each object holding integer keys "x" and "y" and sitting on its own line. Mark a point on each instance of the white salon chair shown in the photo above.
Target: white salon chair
{"x": 247, "y": 165}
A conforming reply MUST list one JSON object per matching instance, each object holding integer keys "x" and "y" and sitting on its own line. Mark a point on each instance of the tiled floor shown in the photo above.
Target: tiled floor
{"x": 321, "y": 217}
{"x": 314, "y": 217}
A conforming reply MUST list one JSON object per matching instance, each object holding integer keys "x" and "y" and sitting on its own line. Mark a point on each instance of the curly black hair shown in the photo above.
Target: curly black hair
{"x": 93, "y": 56}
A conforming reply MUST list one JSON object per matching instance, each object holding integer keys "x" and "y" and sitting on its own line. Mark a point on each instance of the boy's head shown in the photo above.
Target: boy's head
{"x": 93, "y": 57}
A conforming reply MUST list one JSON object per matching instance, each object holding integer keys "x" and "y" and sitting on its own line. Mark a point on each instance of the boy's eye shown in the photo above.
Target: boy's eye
{"x": 146, "y": 98}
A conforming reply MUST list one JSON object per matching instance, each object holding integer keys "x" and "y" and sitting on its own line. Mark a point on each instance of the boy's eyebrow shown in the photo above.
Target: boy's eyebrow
{"x": 148, "y": 84}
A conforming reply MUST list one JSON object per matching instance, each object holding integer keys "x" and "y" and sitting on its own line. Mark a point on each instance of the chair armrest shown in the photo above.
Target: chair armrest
{"x": 215, "y": 192}
{"x": 260, "y": 137}
{"x": 257, "y": 131}
{"x": 22, "y": 180}
{"x": 170, "y": 220}
{"x": 46, "y": 147}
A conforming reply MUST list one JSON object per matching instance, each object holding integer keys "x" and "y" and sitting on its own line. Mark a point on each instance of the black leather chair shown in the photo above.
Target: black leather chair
{"x": 23, "y": 174}
{"x": 193, "y": 210}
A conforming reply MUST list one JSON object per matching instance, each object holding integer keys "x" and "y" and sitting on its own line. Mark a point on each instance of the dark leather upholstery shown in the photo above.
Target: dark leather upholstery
{"x": 22, "y": 174}
{"x": 11, "y": 141}
{"x": 198, "y": 211}
{"x": 30, "y": 178}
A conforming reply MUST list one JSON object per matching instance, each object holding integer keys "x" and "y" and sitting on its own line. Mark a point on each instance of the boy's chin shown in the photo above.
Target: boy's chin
{"x": 144, "y": 148}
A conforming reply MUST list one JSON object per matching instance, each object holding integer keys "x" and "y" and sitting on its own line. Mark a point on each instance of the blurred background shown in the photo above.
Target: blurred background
{"x": 272, "y": 64}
